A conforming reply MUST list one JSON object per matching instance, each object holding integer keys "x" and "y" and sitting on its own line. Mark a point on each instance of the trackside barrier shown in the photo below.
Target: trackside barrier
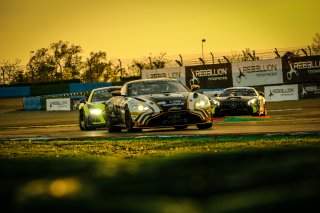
{"x": 49, "y": 89}
{"x": 82, "y": 87}
{"x": 32, "y": 104}
{"x": 10, "y": 92}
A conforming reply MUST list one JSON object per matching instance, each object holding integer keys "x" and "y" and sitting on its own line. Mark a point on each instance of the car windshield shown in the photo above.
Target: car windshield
{"x": 237, "y": 92}
{"x": 101, "y": 95}
{"x": 155, "y": 87}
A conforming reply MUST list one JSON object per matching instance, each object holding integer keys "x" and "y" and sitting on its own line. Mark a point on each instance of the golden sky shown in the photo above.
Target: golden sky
{"x": 137, "y": 28}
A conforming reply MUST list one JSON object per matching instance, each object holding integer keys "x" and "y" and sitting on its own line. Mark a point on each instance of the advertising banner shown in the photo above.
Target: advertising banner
{"x": 174, "y": 72}
{"x": 209, "y": 76}
{"x": 255, "y": 73}
{"x": 301, "y": 69}
{"x": 281, "y": 93}
{"x": 58, "y": 104}
{"x": 310, "y": 90}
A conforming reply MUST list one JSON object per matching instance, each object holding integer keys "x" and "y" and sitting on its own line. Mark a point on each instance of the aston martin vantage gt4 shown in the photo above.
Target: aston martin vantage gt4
{"x": 150, "y": 103}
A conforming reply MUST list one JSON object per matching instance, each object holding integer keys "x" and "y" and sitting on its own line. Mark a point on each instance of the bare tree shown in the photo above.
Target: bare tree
{"x": 97, "y": 68}
{"x": 12, "y": 72}
{"x": 316, "y": 44}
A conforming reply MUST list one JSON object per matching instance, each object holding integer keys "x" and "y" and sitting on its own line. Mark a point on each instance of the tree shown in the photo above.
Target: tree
{"x": 67, "y": 59}
{"x": 12, "y": 72}
{"x": 152, "y": 62}
{"x": 316, "y": 44}
{"x": 42, "y": 67}
{"x": 96, "y": 67}
{"x": 60, "y": 61}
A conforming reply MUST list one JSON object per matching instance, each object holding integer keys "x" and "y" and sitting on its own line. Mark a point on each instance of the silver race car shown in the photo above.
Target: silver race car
{"x": 239, "y": 101}
{"x": 157, "y": 103}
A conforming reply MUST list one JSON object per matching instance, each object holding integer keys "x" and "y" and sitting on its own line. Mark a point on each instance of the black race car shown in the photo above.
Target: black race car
{"x": 157, "y": 103}
{"x": 239, "y": 101}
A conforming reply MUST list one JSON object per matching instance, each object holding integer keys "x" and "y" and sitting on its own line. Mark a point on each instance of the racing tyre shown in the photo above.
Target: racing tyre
{"x": 129, "y": 123}
{"x": 111, "y": 127}
{"x": 204, "y": 126}
{"x": 264, "y": 111}
{"x": 82, "y": 122}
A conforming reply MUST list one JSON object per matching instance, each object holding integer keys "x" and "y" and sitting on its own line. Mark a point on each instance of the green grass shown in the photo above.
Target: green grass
{"x": 149, "y": 147}
{"x": 162, "y": 174}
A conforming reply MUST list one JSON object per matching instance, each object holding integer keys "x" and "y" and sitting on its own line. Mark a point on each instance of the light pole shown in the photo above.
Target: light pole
{"x": 32, "y": 77}
{"x": 202, "y": 41}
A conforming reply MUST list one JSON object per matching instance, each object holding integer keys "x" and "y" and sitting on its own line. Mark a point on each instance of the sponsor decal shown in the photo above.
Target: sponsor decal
{"x": 58, "y": 104}
{"x": 171, "y": 103}
{"x": 281, "y": 93}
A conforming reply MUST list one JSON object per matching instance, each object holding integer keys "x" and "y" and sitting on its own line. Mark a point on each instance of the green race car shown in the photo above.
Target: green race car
{"x": 92, "y": 111}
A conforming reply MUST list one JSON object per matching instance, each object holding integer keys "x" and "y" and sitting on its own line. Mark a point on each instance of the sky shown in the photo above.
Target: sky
{"x": 129, "y": 29}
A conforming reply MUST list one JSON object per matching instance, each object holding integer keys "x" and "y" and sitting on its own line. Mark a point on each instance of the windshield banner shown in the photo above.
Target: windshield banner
{"x": 174, "y": 72}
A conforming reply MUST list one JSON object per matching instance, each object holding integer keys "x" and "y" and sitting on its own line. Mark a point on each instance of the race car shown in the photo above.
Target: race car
{"x": 92, "y": 112}
{"x": 150, "y": 103}
{"x": 239, "y": 101}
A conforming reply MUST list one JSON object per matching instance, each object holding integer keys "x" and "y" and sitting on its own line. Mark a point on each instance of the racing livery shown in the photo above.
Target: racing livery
{"x": 150, "y": 103}
{"x": 239, "y": 101}
{"x": 92, "y": 112}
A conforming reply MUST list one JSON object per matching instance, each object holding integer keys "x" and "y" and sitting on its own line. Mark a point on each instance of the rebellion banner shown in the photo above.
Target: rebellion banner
{"x": 58, "y": 104}
{"x": 281, "y": 92}
{"x": 309, "y": 90}
{"x": 301, "y": 69}
{"x": 209, "y": 76}
{"x": 257, "y": 73}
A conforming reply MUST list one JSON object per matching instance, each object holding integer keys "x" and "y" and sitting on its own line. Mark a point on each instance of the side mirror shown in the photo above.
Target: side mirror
{"x": 82, "y": 101}
{"x": 195, "y": 87}
{"x": 116, "y": 93}
{"x": 261, "y": 94}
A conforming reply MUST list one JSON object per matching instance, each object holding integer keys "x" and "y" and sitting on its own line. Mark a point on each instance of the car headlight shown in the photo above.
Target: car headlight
{"x": 202, "y": 103}
{"x": 95, "y": 111}
{"x": 215, "y": 102}
{"x": 140, "y": 107}
{"x": 253, "y": 101}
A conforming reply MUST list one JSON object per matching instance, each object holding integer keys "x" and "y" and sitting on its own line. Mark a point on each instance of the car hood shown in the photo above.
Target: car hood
{"x": 233, "y": 98}
{"x": 168, "y": 101}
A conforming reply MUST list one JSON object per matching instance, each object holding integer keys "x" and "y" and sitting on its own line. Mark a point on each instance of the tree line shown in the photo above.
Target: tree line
{"x": 63, "y": 61}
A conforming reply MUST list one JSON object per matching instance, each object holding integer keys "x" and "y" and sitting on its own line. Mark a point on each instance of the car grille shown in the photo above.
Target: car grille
{"x": 233, "y": 104}
{"x": 174, "y": 118}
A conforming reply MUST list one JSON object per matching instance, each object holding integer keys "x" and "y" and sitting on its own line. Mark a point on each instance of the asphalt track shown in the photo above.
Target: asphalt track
{"x": 290, "y": 117}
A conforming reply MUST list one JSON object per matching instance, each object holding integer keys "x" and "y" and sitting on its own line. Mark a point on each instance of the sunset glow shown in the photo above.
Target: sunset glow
{"x": 137, "y": 28}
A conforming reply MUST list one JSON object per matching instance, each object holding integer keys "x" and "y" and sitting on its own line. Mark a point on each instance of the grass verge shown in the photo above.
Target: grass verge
{"x": 204, "y": 174}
